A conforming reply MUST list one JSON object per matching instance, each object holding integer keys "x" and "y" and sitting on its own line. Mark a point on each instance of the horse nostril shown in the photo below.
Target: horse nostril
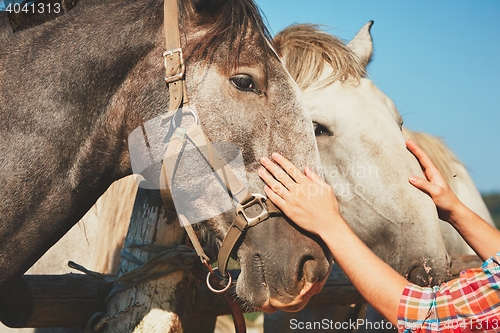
{"x": 413, "y": 275}
{"x": 422, "y": 274}
{"x": 449, "y": 261}
{"x": 419, "y": 276}
{"x": 306, "y": 268}
{"x": 427, "y": 272}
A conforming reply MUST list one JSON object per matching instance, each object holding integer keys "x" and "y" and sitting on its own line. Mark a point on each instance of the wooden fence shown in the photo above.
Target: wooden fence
{"x": 70, "y": 300}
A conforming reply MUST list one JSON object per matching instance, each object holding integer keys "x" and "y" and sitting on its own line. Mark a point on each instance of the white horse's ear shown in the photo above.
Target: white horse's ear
{"x": 362, "y": 44}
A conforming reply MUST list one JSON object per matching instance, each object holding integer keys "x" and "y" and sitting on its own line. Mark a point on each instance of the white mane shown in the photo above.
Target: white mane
{"x": 306, "y": 49}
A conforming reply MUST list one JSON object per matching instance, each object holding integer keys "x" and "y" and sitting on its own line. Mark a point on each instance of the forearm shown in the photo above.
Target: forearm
{"x": 483, "y": 238}
{"x": 377, "y": 282}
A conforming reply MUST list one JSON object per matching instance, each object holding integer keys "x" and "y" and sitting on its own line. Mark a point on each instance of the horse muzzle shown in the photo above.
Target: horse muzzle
{"x": 281, "y": 268}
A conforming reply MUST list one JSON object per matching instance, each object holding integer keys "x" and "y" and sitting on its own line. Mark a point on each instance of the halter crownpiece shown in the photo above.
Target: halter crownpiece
{"x": 172, "y": 58}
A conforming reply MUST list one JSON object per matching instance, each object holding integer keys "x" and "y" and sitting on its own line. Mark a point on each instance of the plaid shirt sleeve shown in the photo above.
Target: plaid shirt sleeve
{"x": 470, "y": 303}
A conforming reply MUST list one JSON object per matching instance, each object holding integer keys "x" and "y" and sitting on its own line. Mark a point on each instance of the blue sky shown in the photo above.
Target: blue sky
{"x": 437, "y": 60}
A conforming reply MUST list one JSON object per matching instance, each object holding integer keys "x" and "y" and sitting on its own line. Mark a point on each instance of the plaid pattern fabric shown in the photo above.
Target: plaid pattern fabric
{"x": 470, "y": 303}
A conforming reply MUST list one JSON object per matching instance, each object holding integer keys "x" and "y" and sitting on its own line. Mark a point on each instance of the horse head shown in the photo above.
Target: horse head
{"x": 244, "y": 96}
{"x": 362, "y": 148}
{"x": 88, "y": 103}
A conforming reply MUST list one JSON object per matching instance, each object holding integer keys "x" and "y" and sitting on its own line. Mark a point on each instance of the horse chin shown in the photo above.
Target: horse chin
{"x": 272, "y": 305}
{"x": 300, "y": 301}
{"x": 267, "y": 307}
{"x": 286, "y": 303}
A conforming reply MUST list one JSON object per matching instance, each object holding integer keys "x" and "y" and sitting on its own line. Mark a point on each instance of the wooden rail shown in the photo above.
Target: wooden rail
{"x": 70, "y": 300}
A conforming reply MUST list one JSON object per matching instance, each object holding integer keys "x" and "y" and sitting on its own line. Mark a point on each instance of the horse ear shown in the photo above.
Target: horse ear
{"x": 362, "y": 44}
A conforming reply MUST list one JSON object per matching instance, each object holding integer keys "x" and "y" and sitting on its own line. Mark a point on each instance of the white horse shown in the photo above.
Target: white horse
{"x": 348, "y": 190}
{"x": 361, "y": 141}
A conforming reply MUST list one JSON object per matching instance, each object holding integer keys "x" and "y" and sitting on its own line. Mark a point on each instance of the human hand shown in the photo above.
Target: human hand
{"x": 304, "y": 197}
{"x": 435, "y": 185}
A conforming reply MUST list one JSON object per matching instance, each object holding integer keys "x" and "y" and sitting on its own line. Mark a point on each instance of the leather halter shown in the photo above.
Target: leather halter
{"x": 175, "y": 79}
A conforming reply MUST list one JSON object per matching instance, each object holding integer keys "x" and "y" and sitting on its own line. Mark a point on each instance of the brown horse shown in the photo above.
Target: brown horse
{"x": 73, "y": 89}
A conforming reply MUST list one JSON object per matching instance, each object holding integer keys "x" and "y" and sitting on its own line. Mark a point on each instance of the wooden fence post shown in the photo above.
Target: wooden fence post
{"x": 160, "y": 305}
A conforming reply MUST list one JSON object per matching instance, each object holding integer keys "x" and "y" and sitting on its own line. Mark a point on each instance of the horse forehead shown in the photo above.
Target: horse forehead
{"x": 332, "y": 103}
{"x": 255, "y": 50}
{"x": 342, "y": 97}
{"x": 385, "y": 100}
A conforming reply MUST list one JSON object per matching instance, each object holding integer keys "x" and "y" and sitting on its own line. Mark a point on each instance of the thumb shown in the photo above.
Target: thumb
{"x": 423, "y": 185}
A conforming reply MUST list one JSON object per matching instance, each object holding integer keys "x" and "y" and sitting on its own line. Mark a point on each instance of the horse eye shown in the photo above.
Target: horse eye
{"x": 244, "y": 83}
{"x": 320, "y": 130}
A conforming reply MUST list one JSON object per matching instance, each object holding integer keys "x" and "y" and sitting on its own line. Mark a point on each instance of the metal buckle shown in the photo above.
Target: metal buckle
{"x": 256, "y": 199}
{"x": 175, "y": 77}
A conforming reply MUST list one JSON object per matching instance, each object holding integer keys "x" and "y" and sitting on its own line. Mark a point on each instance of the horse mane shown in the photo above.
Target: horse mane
{"x": 229, "y": 23}
{"x": 305, "y": 49}
{"x": 442, "y": 156}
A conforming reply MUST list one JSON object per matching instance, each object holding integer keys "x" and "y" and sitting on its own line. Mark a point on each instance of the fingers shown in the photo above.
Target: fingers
{"x": 430, "y": 170}
{"x": 287, "y": 185}
{"x": 288, "y": 166}
{"x": 422, "y": 157}
{"x": 278, "y": 172}
{"x": 275, "y": 198}
{"x": 425, "y": 186}
{"x": 273, "y": 185}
